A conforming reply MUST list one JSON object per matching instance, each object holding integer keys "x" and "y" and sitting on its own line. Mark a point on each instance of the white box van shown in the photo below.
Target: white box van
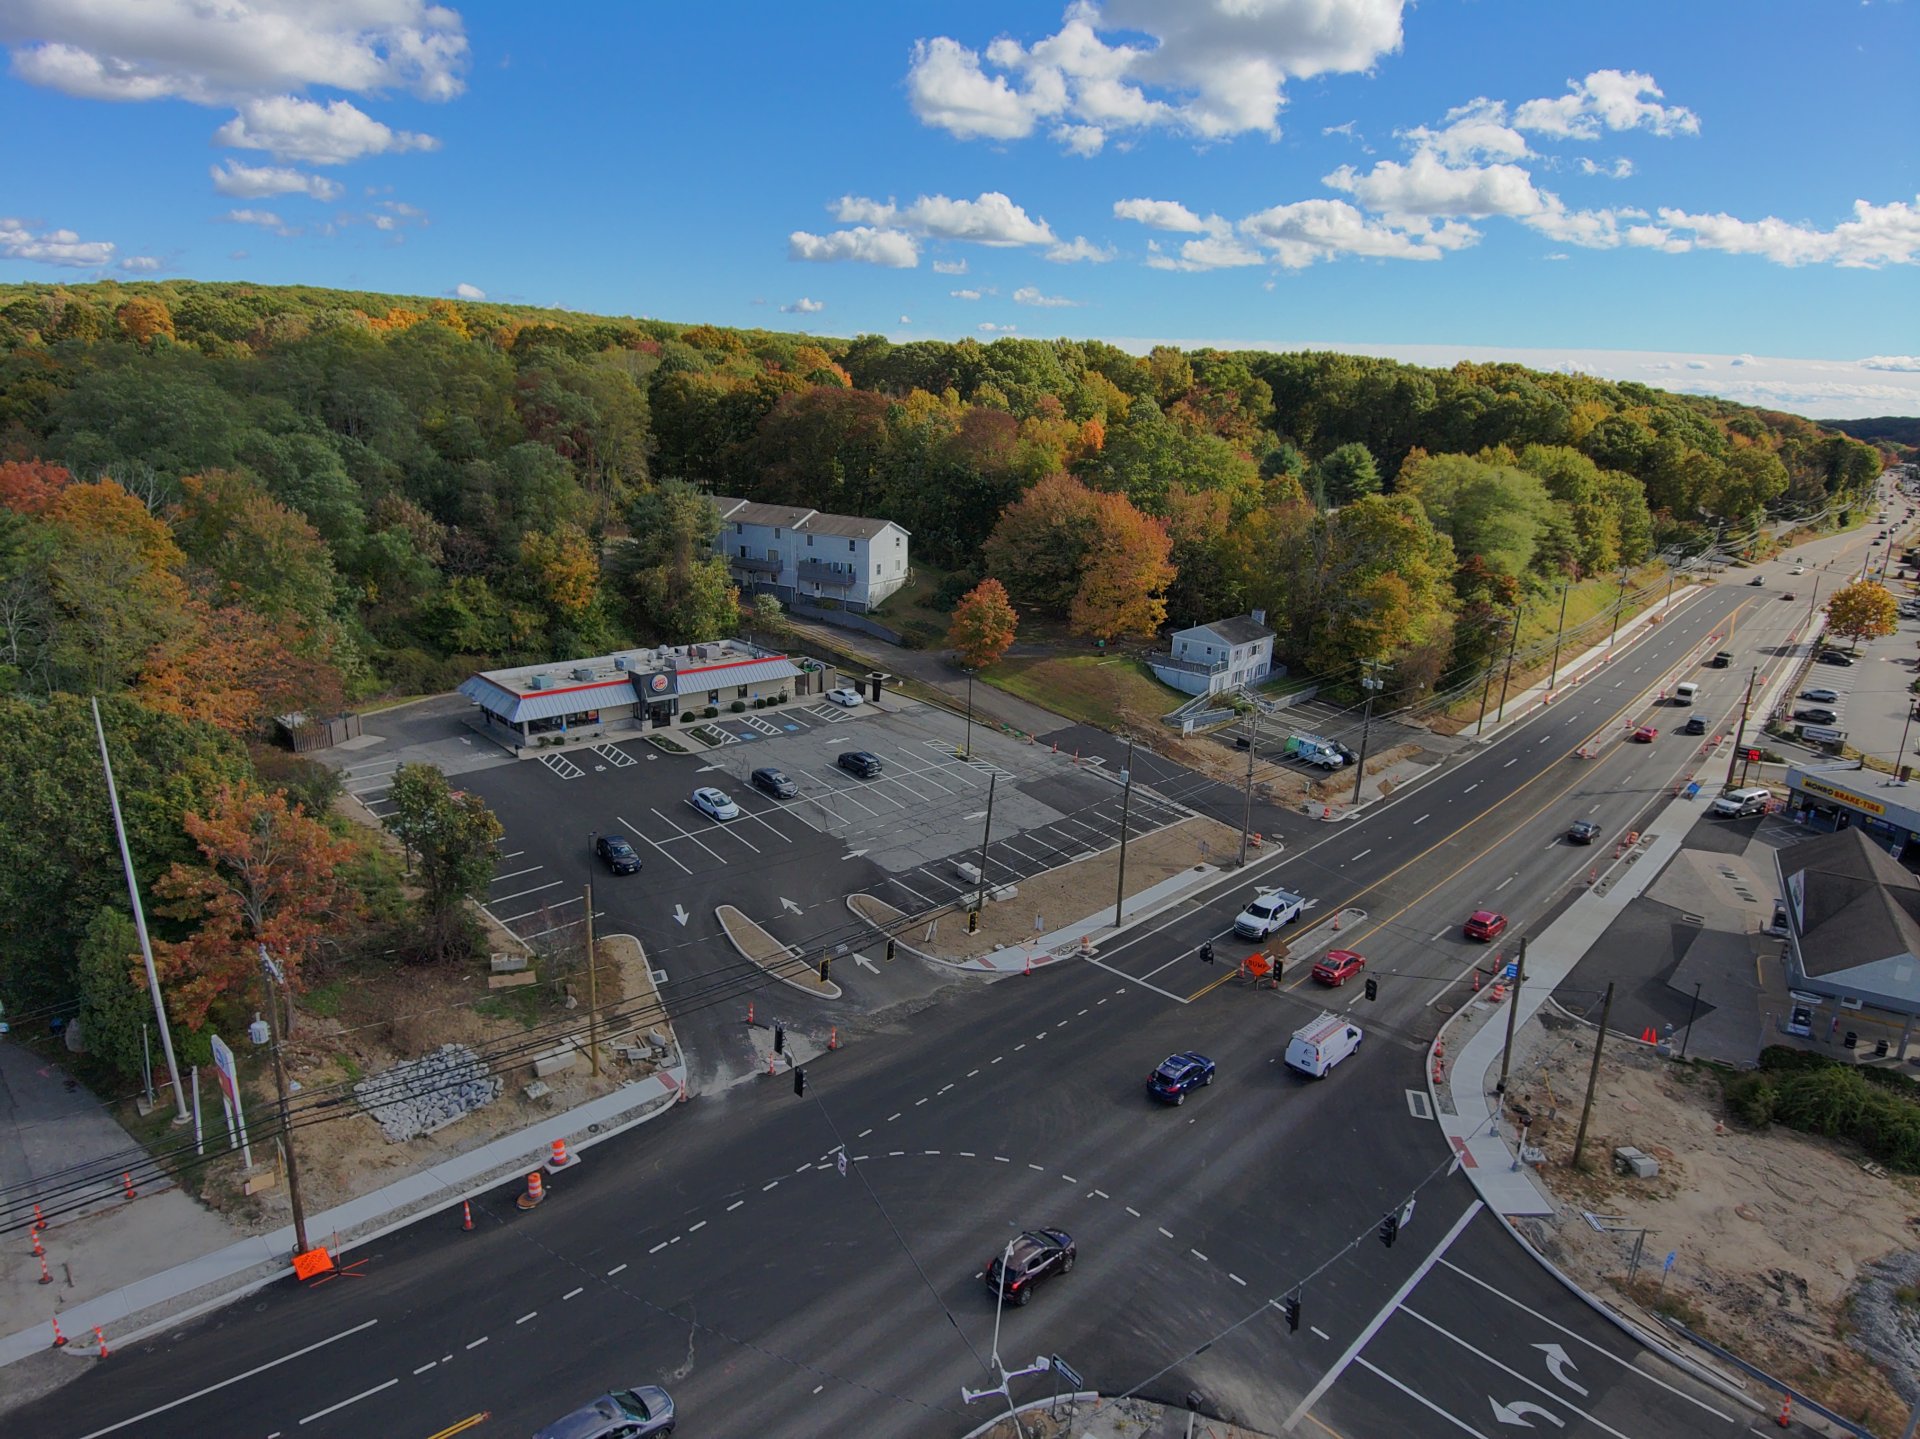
{"x": 1737, "y": 802}
{"x": 1686, "y": 692}
{"x": 1318, "y": 1046}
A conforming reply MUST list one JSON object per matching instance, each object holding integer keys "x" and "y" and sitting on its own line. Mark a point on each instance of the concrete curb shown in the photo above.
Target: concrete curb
{"x": 761, "y": 966}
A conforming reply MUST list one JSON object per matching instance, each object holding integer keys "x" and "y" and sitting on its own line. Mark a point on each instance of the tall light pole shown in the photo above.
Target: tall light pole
{"x": 967, "y": 751}
{"x": 140, "y": 925}
{"x": 1486, "y": 690}
{"x": 1126, "y": 799}
{"x": 1246, "y": 811}
{"x": 1899, "y": 760}
{"x": 1554, "y": 673}
{"x": 1741, "y": 729}
{"x": 1372, "y": 684}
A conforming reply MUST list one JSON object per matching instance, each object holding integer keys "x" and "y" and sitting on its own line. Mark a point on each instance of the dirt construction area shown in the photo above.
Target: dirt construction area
{"x": 1790, "y": 1251}
{"x": 1064, "y": 895}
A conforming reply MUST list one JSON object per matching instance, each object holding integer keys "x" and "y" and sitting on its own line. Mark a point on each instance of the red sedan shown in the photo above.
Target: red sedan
{"x": 1339, "y": 966}
{"x": 1485, "y": 924}
{"x": 1646, "y": 734}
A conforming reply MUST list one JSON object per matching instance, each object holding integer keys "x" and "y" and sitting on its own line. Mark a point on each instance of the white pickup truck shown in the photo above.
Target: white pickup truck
{"x": 1269, "y": 910}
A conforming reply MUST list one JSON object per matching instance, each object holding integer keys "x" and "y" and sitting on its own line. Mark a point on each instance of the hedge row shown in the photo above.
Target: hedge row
{"x": 1815, "y": 1094}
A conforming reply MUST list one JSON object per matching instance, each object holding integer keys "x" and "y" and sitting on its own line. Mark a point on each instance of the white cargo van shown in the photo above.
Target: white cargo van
{"x": 1686, "y": 692}
{"x": 1318, "y": 1046}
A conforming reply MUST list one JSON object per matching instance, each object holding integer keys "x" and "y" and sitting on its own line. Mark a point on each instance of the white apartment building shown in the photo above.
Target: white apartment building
{"x": 805, "y": 555}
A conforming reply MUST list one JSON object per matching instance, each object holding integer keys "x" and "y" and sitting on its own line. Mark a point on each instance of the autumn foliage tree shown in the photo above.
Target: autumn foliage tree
{"x": 984, "y": 625}
{"x": 143, "y": 317}
{"x": 29, "y": 487}
{"x": 1862, "y": 610}
{"x": 269, "y": 875}
{"x": 1123, "y": 587}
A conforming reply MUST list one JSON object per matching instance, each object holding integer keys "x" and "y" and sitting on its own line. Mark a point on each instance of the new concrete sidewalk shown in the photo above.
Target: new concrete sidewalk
{"x": 218, "y": 1278}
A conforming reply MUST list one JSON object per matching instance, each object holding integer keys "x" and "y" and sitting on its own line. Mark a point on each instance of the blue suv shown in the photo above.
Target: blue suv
{"x": 1177, "y": 1074}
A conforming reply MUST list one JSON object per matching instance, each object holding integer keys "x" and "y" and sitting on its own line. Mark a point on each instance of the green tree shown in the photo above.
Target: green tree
{"x": 450, "y": 836}
{"x": 115, "y": 1011}
{"x": 674, "y": 586}
{"x": 1039, "y": 548}
{"x": 1347, "y": 474}
{"x": 1496, "y": 511}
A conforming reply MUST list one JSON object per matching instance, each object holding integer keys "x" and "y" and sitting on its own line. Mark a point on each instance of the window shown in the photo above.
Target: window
{"x": 776, "y": 534}
{"x": 772, "y": 553}
{"x": 852, "y": 545}
{"x": 809, "y": 541}
{"x": 742, "y": 694}
{"x": 897, "y": 542}
{"x": 739, "y": 529}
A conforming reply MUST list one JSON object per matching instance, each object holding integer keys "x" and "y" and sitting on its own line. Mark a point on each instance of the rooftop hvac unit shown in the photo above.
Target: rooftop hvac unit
{"x": 540, "y": 682}
{"x": 620, "y": 664}
{"x": 583, "y": 672}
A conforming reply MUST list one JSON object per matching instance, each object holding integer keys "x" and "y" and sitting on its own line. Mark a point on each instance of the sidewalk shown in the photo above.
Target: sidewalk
{"x": 218, "y": 1278}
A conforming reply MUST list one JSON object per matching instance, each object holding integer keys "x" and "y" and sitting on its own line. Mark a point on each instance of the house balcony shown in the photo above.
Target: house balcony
{"x": 821, "y": 573}
{"x": 753, "y": 565}
{"x": 1186, "y": 666}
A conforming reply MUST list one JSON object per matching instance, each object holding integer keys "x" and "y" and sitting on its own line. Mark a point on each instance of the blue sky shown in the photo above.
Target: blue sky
{"x": 1710, "y": 195}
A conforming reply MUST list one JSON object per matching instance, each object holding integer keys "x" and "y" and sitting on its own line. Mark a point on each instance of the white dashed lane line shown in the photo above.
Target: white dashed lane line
{"x": 525, "y": 1317}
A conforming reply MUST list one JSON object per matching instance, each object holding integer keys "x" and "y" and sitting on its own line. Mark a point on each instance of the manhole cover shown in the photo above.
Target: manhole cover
{"x": 1446, "y": 1006}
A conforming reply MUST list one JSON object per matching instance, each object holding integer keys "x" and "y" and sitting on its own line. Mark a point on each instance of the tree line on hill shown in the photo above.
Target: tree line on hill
{"x": 221, "y": 502}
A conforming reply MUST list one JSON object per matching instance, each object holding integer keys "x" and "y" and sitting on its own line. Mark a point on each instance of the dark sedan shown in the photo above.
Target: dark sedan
{"x": 618, "y": 854}
{"x": 1177, "y": 1074}
{"x": 775, "y": 783}
{"x": 1813, "y": 714}
{"x": 1036, "y": 1255}
{"x": 1582, "y": 831}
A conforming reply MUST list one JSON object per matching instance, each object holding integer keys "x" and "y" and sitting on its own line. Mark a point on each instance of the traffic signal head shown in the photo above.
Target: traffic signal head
{"x": 1389, "y": 1229}
{"x": 800, "y": 1082}
{"x": 823, "y": 970}
{"x": 1290, "y": 1306}
{"x": 1373, "y": 988}
{"x": 889, "y": 947}
{"x": 973, "y": 921}
{"x": 1206, "y": 951}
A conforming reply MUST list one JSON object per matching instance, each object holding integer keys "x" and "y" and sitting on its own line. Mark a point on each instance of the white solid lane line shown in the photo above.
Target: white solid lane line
{"x": 1460, "y": 1424}
{"x": 355, "y": 1400}
{"x": 211, "y": 1388}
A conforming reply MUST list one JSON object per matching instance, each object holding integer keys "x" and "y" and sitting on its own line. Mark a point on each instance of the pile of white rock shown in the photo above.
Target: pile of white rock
{"x": 428, "y": 1093}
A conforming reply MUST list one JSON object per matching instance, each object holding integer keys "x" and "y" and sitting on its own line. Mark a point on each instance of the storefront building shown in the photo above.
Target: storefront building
{"x": 1826, "y": 798}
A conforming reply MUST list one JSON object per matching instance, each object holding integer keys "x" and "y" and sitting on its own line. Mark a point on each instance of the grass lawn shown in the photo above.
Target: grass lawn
{"x": 910, "y": 609}
{"x": 1101, "y": 690}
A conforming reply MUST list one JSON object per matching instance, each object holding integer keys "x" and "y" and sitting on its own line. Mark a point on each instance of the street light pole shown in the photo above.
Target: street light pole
{"x": 1486, "y": 691}
{"x": 1513, "y": 1008}
{"x": 1554, "y": 673}
{"x": 1246, "y": 810}
{"x": 1126, "y": 799}
{"x": 1372, "y": 684}
{"x": 1619, "y": 607}
{"x": 1741, "y": 729}
{"x": 1899, "y": 760}
{"x": 967, "y": 751}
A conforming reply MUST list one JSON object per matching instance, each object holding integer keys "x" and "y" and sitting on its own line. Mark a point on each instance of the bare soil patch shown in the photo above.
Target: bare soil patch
{"x": 1772, "y": 1230}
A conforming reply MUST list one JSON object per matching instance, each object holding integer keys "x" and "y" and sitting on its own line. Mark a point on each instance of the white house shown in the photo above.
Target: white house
{"x": 1213, "y": 658}
{"x": 794, "y": 553}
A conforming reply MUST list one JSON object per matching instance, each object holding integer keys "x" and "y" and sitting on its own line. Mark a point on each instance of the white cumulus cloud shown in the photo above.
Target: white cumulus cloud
{"x": 964, "y": 294}
{"x": 1207, "y": 68}
{"x": 1477, "y": 130}
{"x": 1030, "y": 295}
{"x": 988, "y": 327}
{"x": 210, "y": 53}
{"x": 23, "y": 240}
{"x": 949, "y": 267}
{"x": 1161, "y": 215}
{"x": 1606, "y": 99}
{"x": 1901, "y": 364}
{"x": 1299, "y": 234}
{"x": 804, "y": 306}
{"x": 318, "y": 134}
{"x": 1876, "y": 235}
{"x": 1080, "y": 248}
{"x": 1619, "y": 169}
{"x": 1427, "y": 186}
{"x": 141, "y": 264}
{"x": 464, "y": 291}
{"x": 265, "y": 219}
{"x": 992, "y": 219}
{"x": 865, "y": 244}
{"x": 256, "y": 182}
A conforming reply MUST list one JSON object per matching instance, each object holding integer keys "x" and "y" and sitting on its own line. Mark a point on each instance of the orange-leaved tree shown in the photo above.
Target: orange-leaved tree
{"x": 984, "y": 624}
{"x": 1862, "y": 610}
{"x": 29, "y": 487}
{"x": 270, "y": 875}
{"x": 143, "y": 317}
{"x": 234, "y": 668}
{"x": 1123, "y": 587}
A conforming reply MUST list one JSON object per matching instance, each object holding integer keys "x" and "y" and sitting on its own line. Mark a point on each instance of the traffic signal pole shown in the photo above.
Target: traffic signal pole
{"x": 1126, "y": 799}
{"x": 986, "y": 833}
{"x": 1741, "y": 730}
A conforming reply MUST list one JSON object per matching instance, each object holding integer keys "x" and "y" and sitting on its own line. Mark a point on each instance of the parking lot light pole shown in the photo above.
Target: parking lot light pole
{"x": 967, "y": 751}
{"x": 1126, "y": 798}
{"x": 1619, "y": 607}
{"x": 1372, "y": 684}
{"x": 1246, "y": 811}
{"x": 1899, "y": 760}
{"x": 986, "y": 833}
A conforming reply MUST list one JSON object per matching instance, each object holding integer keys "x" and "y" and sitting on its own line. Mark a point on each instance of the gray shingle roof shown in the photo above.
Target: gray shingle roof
{"x": 1239, "y": 630}
{"x": 1858, "y": 904}
{"x": 793, "y": 517}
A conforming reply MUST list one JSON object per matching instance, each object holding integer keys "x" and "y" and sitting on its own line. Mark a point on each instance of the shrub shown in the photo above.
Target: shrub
{"x": 1830, "y": 1101}
{"x": 738, "y": 706}
{"x": 954, "y": 588}
{"x": 1784, "y": 1058}
{"x": 711, "y": 711}
{"x": 687, "y": 717}
{"x": 1752, "y": 1098}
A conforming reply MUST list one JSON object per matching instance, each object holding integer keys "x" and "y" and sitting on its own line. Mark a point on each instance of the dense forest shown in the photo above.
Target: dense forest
{"x": 1898, "y": 436}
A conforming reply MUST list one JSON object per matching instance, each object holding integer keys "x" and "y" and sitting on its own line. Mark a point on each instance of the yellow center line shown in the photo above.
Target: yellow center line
{"x": 1604, "y": 727}
{"x": 1324, "y": 1426}
{"x": 464, "y": 1425}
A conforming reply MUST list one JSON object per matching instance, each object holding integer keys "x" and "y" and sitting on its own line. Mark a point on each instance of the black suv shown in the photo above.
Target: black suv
{"x": 1179, "y": 1073}
{"x": 618, "y": 854}
{"x": 1815, "y": 714}
{"x": 860, "y": 762}
{"x": 775, "y": 783}
{"x": 1696, "y": 724}
{"x": 1038, "y": 1254}
{"x": 1582, "y": 831}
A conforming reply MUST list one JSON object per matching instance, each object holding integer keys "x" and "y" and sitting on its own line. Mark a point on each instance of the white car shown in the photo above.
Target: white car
{"x": 846, "y": 698}
{"x": 714, "y": 803}
{"x": 1269, "y": 910}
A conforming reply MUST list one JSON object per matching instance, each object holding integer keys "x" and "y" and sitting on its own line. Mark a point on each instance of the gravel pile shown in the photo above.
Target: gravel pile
{"x": 429, "y": 1093}
{"x": 1887, "y": 1325}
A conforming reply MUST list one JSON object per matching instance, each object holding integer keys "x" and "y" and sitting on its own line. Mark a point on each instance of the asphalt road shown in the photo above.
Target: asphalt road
{"x": 722, "y": 1251}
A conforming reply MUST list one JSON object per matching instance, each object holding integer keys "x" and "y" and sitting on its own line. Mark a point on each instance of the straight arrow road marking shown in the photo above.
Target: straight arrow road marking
{"x": 853, "y": 854}
{"x": 786, "y": 903}
{"x": 866, "y": 964}
{"x": 680, "y": 915}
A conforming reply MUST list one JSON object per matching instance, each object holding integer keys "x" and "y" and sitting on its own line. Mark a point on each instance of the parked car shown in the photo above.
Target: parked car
{"x": 775, "y": 783}
{"x": 618, "y": 854}
{"x": 1736, "y": 803}
{"x": 1696, "y": 724}
{"x": 1177, "y": 1074}
{"x": 1799, "y": 569}
{"x": 860, "y": 762}
{"x": 1585, "y": 831}
{"x": 1337, "y": 966}
{"x": 637, "y": 1413}
{"x": 1646, "y": 734}
{"x": 1821, "y": 695}
{"x": 845, "y": 698}
{"x": 714, "y": 803}
{"x": 1789, "y": 595}
{"x": 1268, "y": 910}
{"x": 1836, "y": 657}
{"x": 1036, "y": 1255}
{"x": 1484, "y": 924}
{"x": 1815, "y": 714}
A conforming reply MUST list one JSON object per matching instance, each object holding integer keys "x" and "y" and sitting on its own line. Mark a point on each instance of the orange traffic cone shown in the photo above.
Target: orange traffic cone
{"x": 833, "y": 1037}
{"x": 560, "y": 1159}
{"x": 466, "y": 1214}
{"x": 59, "y": 1339}
{"x": 101, "y": 1340}
{"x": 1336, "y": 922}
{"x": 1476, "y": 981}
{"x": 1786, "y": 1411}
{"x": 45, "y": 1276}
{"x": 536, "y": 1192}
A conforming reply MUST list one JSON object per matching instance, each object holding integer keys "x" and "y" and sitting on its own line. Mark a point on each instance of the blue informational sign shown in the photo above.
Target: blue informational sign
{"x": 1693, "y": 790}
{"x": 1666, "y": 1264}
{"x": 1512, "y": 971}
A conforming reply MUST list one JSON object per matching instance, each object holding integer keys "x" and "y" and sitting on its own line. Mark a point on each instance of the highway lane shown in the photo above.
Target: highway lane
{"x": 1265, "y": 1178}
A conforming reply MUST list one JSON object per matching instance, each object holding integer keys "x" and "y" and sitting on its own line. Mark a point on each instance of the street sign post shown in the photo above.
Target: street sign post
{"x": 230, "y": 1099}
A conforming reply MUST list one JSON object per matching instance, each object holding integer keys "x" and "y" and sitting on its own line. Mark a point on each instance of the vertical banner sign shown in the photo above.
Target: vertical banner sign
{"x": 223, "y": 1066}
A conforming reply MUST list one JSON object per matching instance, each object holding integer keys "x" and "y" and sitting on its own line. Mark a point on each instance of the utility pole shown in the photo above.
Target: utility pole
{"x": 1554, "y": 673}
{"x": 1593, "y": 1077}
{"x": 967, "y": 751}
{"x": 1619, "y": 607}
{"x": 1126, "y": 798}
{"x": 1814, "y": 602}
{"x": 1513, "y": 1008}
{"x": 1372, "y": 684}
{"x": 1486, "y": 690}
{"x": 1692, "y": 1010}
{"x": 180, "y": 1115}
{"x": 1519, "y": 608}
{"x": 593, "y": 994}
{"x": 1246, "y": 811}
{"x": 270, "y": 975}
{"x": 986, "y": 832}
{"x": 1741, "y": 729}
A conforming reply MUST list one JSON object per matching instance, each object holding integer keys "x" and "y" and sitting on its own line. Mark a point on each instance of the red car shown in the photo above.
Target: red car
{"x": 1339, "y": 966}
{"x": 1646, "y": 734}
{"x": 1485, "y": 924}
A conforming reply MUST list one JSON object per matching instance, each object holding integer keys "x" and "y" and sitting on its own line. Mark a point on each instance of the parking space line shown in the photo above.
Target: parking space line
{"x": 680, "y": 833}
{"x": 838, "y": 793}
{"x": 758, "y": 818}
{"x": 872, "y": 788}
{"x": 503, "y": 898}
{"x": 516, "y": 873}
{"x": 719, "y": 827}
{"x": 635, "y": 829}
{"x": 902, "y": 884}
